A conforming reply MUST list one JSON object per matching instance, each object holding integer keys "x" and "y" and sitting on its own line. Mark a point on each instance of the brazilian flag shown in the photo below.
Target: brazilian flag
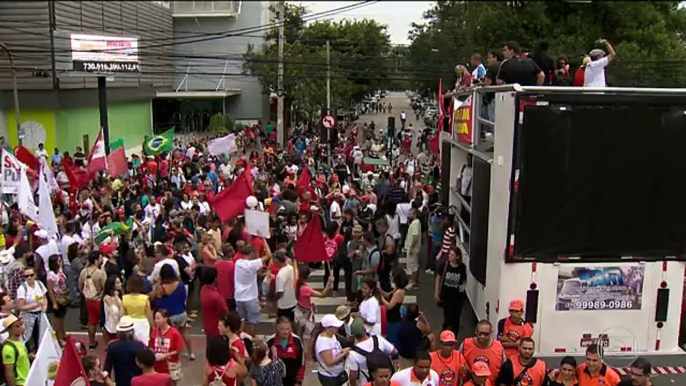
{"x": 160, "y": 143}
{"x": 114, "y": 229}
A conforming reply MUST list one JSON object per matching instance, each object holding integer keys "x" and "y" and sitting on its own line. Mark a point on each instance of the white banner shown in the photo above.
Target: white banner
{"x": 44, "y": 367}
{"x": 222, "y": 145}
{"x": 25, "y": 201}
{"x": 11, "y": 172}
{"x": 46, "y": 212}
{"x": 257, "y": 223}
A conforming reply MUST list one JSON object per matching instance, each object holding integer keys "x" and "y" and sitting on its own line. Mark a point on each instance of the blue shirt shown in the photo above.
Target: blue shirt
{"x": 121, "y": 357}
{"x": 436, "y": 229}
{"x": 56, "y": 158}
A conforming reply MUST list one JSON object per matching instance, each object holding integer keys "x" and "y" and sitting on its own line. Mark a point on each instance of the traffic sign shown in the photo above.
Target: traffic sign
{"x": 328, "y": 121}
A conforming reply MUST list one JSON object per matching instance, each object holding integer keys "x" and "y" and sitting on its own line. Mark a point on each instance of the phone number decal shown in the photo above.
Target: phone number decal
{"x": 106, "y": 67}
{"x": 603, "y": 305}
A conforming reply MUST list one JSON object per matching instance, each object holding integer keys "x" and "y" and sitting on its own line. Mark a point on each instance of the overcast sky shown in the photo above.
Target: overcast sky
{"x": 397, "y": 15}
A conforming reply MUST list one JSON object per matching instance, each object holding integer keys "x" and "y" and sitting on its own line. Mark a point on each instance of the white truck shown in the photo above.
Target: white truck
{"x": 577, "y": 208}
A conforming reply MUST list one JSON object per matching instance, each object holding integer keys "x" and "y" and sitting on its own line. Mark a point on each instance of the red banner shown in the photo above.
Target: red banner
{"x": 463, "y": 119}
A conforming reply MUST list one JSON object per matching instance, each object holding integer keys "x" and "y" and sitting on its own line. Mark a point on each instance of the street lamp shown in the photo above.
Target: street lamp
{"x": 15, "y": 90}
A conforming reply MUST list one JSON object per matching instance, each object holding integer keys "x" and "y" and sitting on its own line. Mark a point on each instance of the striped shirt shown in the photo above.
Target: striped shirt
{"x": 448, "y": 239}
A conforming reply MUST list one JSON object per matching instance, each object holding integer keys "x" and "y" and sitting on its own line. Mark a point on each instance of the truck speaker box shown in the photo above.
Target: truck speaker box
{"x": 531, "y": 311}
{"x": 324, "y": 134}
{"x": 661, "y": 305}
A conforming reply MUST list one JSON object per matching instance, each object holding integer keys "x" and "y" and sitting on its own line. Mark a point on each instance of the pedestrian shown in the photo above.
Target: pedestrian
{"x": 15, "y": 354}
{"x": 329, "y": 354}
{"x": 290, "y": 349}
{"x": 146, "y": 360}
{"x": 32, "y": 303}
{"x": 138, "y": 307}
{"x": 167, "y": 343}
{"x": 113, "y": 308}
{"x": 58, "y": 292}
{"x": 449, "y": 290}
{"x": 212, "y": 304}
{"x": 121, "y": 353}
{"x": 220, "y": 366}
{"x": 170, "y": 295}
{"x": 266, "y": 370}
{"x": 91, "y": 285}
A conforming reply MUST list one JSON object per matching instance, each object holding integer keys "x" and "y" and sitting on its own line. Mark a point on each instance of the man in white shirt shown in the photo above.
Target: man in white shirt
{"x": 594, "y": 75}
{"x": 41, "y": 152}
{"x": 167, "y": 258}
{"x": 45, "y": 250}
{"x": 420, "y": 374}
{"x": 365, "y": 344}
{"x": 152, "y": 210}
{"x": 403, "y": 118}
{"x": 245, "y": 287}
{"x": 285, "y": 287}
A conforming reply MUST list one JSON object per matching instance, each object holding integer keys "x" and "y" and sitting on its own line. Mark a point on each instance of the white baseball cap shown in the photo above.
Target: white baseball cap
{"x": 330, "y": 320}
{"x": 41, "y": 233}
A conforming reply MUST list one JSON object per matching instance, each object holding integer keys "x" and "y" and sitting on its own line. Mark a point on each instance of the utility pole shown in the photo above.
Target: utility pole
{"x": 280, "y": 129}
{"x": 15, "y": 90}
{"x": 328, "y": 102}
{"x": 328, "y": 76}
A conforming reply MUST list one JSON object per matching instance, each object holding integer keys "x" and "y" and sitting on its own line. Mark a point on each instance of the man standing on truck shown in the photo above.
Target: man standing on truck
{"x": 595, "y": 372}
{"x": 594, "y": 76}
{"x": 513, "y": 329}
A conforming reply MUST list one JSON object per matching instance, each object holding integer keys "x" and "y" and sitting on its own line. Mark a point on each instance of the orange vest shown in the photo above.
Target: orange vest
{"x": 393, "y": 383}
{"x": 449, "y": 369}
{"x": 534, "y": 376}
{"x": 471, "y": 383}
{"x": 516, "y": 332}
{"x": 605, "y": 377}
{"x": 492, "y": 356}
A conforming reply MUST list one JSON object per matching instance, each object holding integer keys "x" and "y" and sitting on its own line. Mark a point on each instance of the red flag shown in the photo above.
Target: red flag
{"x": 230, "y": 203}
{"x": 309, "y": 248}
{"x": 434, "y": 145}
{"x": 24, "y": 155}
{"x": 98, "y": 159}
{"x": 116, "y": 162}
{"x": 70, "y": 368}
{"x": 78, "y": 178}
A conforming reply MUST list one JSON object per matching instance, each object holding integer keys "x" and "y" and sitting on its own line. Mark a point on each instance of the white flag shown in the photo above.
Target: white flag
{"x": 222, "y": 145}
{"x": 46, "y": 213}
{"x": 52, "y": 183}
{"x": 25, "y": 197}
{"x": 11, "y": 168}
{"x": 42, "y": 370}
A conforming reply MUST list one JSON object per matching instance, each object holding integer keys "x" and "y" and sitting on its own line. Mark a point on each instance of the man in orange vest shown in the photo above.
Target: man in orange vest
{"x": 595, "y": 372}
{"x": 523, "y": 369}
{"x": 513, "y": 328}
{"x": 447, "y": 362}
{"x": 483, "y": 348}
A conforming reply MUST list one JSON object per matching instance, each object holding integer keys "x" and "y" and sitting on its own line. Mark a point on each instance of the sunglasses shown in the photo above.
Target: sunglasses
{"x": 30, "y": 275}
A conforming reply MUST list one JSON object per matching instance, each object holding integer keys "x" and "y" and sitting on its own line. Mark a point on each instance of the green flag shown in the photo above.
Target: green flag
{"x": 159, "y": 143}
{"x": 116, "y": 144}
{"x": 114, "y": 229}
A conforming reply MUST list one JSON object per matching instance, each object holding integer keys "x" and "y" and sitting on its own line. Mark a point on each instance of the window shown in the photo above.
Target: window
{"x": 204, "y": 8}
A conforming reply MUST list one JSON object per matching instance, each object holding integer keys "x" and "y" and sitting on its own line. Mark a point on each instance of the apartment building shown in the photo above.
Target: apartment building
{"x": 208, "y": 68}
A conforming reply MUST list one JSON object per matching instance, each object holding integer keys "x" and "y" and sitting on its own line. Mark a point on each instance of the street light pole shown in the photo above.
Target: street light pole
{"x": 15, "y": 89}
{"x": 280, "y": 129}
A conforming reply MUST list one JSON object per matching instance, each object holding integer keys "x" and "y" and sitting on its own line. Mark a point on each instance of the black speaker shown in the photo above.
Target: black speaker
{"x": 531, "y": 311}
{"x": 661, "y": 305}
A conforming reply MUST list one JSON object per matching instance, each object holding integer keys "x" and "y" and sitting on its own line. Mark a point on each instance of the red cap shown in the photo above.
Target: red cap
{"x": 448, "y": 337}
{"x": 480, "y": 369}
{"x": 516, "y": 305}
{"x": 365, "y": 199}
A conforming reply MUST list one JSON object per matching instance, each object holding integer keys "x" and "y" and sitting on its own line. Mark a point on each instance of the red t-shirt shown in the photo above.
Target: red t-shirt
{"x": 225, "y": 278}
{"x": 258, "y": 244}
{"x": 212, "y": 307}
{"x": 239, "y": 345}
{"x": 164, "y": 168}
{"x": 238, "y": 256}
{"x": 152, "y": 167}
{"x": 152, "y": 380}
{"x": 165, "y": 343}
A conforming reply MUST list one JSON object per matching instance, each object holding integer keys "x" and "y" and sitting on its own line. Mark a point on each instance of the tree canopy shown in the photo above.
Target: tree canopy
{"x": 357, "y": 52}
{"x": 647, "y": 36}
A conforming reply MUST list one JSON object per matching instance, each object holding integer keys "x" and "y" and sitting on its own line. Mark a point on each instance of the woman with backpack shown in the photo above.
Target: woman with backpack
{"x": 32, "y": 302}
{"x": 220, "y": 369}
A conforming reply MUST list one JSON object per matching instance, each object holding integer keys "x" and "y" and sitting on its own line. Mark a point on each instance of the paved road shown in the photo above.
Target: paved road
{"x": 422, "y": 295}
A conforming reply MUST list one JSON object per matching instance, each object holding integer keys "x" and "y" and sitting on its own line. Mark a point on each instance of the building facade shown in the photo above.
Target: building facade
{"x": 59, "y": 106}
{"x": 212, "y": 37}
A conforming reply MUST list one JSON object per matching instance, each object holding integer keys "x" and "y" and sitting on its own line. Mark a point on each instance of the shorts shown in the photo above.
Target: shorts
{"x": 93, "y": 308}
{"x": 178, "y": 320}
{"x": 413, "y": 262}
{"x": 287, "y": 312}
{"x": 61, "y": 311}
{"x": 250, "y": 311}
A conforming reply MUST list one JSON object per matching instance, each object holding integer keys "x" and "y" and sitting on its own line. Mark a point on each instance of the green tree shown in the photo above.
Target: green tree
{"x": 358, "y": 57}
{"x": 648, "y": 36}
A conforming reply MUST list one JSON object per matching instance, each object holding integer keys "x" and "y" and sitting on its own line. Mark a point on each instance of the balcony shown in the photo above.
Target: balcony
{"x": 205, "y": 8}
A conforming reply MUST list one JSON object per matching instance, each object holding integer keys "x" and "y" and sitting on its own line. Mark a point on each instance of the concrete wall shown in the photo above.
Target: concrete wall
{"x": 206, "y": 72}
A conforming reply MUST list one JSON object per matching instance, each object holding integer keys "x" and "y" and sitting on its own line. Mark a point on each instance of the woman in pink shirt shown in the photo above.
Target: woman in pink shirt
{"x": 305, "y": 310}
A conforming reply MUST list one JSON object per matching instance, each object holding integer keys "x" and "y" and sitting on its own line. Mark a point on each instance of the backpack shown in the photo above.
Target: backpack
{"x": 381, "y": 265}
{"x": 218, "y": 381}
{"x": 3, "y": 377}
{"x": 375, "y": 358}
{"x": 89, "y": 290}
